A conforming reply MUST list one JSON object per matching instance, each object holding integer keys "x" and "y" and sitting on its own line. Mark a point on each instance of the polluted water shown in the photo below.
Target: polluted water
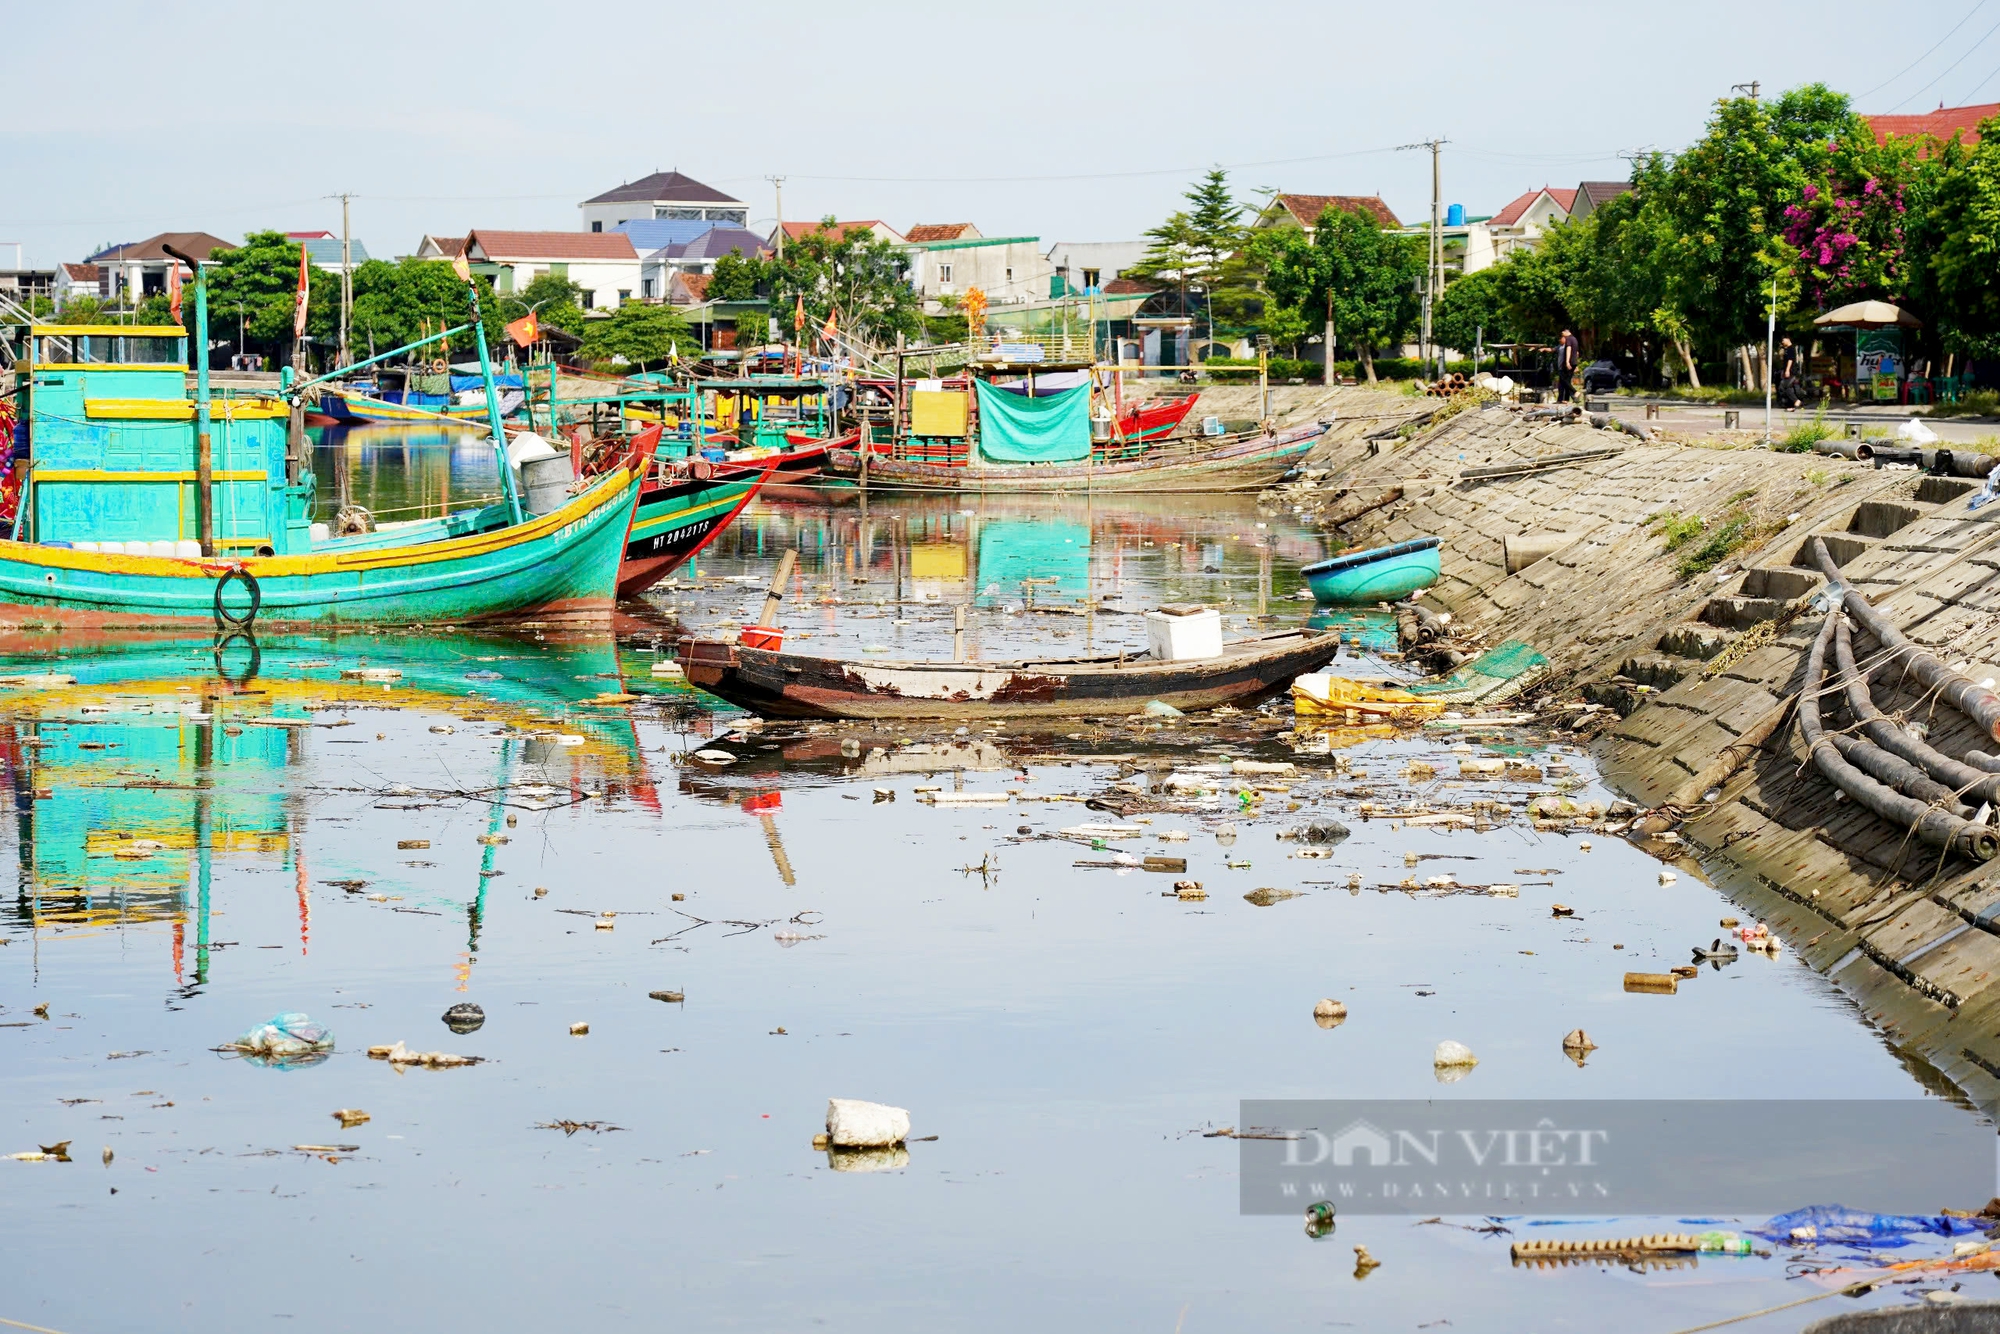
{"x": 502, "y": 867}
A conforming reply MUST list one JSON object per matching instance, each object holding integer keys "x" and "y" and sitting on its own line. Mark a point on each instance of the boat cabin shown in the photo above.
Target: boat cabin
{"x": 111, "y": 431}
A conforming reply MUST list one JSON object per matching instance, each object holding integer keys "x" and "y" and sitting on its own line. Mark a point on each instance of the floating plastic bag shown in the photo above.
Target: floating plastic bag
{"x": 1839, "y": 1224}
{"x": 1916, "y": 433}
{"x": 289, "y": 1039}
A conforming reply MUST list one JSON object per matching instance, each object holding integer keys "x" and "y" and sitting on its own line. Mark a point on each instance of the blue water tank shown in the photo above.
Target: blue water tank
{"x": 1454, "y": 215}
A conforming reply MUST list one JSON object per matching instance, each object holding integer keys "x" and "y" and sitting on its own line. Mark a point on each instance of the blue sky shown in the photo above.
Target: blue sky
{"x": 1067, "y": 122}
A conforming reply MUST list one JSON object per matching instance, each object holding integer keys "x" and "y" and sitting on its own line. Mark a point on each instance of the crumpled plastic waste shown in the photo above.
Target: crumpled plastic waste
{"x": 397, "y": 1054}
{"x": 289, "y": 1041}
{"x": 1858, "y": 1227}
{"x": 1916, "y": 433}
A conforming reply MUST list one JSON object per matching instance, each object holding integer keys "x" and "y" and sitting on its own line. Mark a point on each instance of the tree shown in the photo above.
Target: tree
{"x": 637, "y": 334}
{"x": 850, "y": 271}
{"x": 1469, "y": 309}
{"x": 736, "y": 277}
{"x": 1202, "y": 250}
{"x": 1366, "y": 276}
{"x": 1285, "y": 326}
{"x": 399, "y": 303}
{"x": 556, "y": 301}
{"x": 263, "y": 275}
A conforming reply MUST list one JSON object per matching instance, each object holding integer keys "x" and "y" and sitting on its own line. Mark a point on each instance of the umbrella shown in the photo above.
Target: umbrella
{"x": 1869, "y": 315}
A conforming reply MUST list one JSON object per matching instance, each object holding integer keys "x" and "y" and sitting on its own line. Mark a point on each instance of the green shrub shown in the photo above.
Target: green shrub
{"x": 1802, "y": 437}
{"x": 1977, "y": 403}
{"x": 1720, "y": 545}
{"x": 1677, "y": 528}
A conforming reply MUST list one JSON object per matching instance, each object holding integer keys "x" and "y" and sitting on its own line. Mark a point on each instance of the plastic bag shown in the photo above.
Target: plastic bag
{"x": 291, "y": 1038}
{"x": 1916, "y": 433}
{"x": 1838, "y": 1223}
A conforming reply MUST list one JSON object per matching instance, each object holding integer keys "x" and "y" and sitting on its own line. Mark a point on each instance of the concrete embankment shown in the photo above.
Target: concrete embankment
{"x": 1704, "y": 664}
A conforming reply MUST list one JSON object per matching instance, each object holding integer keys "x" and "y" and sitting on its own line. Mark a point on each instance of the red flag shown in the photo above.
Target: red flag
{"x": 525, "y": 330}
{"x": 299, "y": 307}
{"x": 462, "y": 268}
{"x": 174, "y": 291}
{"x": 830, "y": 331}
{"x": 799, "y": 314}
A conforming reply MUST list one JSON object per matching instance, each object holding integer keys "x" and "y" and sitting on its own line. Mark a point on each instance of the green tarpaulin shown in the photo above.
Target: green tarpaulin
{"x": 1013, "y": 429}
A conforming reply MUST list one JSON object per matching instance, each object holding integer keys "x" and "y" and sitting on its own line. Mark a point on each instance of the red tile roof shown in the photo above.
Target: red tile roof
{"x": 1508, "y": 216}
{"x": 694, "y": 284}
{"x": 83, "y": 273}
{"x": 794, "y": 230}
{"x": 1307, "y": 208}
{"x": 1131, "y": 286}
{"x": 551, "y": 245}
{"x": 451, "y": 247}
{"x": 1940, "y": 124}
{"x": 197, "y": 245}
{"x": 937, "y": 231}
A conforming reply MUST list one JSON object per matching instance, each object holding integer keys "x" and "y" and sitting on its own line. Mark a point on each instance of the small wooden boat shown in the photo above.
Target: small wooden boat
{"x": 792, "y": 685}
{"x": 1155, "y": 419}
{"x": 1382, "y": 574}
{"x": 1193, "y": 467}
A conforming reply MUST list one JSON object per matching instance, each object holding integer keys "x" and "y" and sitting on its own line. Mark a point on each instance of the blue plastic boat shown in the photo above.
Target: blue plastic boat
{"x": 1383, "y": 574}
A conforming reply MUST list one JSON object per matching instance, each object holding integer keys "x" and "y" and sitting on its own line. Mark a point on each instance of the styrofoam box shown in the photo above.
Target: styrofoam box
{"x": 1181, "y": 638}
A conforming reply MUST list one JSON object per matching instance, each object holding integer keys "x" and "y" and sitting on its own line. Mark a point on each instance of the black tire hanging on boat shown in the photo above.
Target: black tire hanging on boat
{"x": 228, "y": 620}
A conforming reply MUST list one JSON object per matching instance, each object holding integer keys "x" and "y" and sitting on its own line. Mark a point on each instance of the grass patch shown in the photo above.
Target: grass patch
{"x": 1802, "y": 437}
{"x": 1978, "y": 403}
{"x": 1818, "y": 476}
{"x": 1678, "y": 529}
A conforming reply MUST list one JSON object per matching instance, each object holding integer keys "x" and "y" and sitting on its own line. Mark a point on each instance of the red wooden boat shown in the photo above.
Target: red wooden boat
{"x": 1155, "y": 419}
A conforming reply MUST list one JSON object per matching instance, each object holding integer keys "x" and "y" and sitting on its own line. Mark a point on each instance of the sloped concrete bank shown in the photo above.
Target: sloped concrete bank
{"x": 1704, "y": 667}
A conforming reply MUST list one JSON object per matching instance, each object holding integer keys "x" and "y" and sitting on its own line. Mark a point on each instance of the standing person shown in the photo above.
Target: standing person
{"x": 1568, "y": 353}
{"x": 1791, "y": 376}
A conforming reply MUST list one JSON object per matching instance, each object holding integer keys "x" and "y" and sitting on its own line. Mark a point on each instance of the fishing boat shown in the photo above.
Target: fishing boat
{"x": 776, "y": 684}
{"x": 422, "y": 398}
{"x": 1381, "y": 574}
{"x": 683, "y": 507}
{"x": 1155, "y": 419}
{"x": 144, "y": 506}
{"x": 1192, "y": 467}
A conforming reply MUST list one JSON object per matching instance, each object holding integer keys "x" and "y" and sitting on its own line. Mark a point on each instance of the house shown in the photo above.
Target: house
{"x": 135, "y": 270}
{"x": 603, "y": 264}
{"x": 687, "y": 289}
{"x": 948, "y": 258}
{"x": 1521, "y": 223}
{"x": 440, "y": 247}
{"x": 25, "y": 285}
{"x": 664, "y": 194}
{"x": 1303, "y": 211}
{"x": 650, "y": 234}
{"x": 875, "y": 227}
{"x": 323, "y": 250}
{"x": 1081, "y": 265}
{"x": 79, "y": 280}
{"x": 697, "y": 256}
{"x": 1941, "y": 124}
{"x": 1591, "y": 195}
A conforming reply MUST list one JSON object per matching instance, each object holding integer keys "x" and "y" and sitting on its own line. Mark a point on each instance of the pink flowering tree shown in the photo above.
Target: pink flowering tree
{"x": 1846, "y": 230}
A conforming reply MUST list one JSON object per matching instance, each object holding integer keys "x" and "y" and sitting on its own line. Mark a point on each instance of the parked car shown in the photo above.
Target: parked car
{"x": 1602, "y": 377}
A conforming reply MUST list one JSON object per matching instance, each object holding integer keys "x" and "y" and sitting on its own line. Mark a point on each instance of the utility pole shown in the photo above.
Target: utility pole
{"x": 346, "y": 274}
{"x": 1434, "y": 267}
{"x": 1750, "y": 88}
{"x": 778, "y": 184}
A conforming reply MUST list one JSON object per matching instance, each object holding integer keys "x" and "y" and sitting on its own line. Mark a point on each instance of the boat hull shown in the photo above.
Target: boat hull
{"x": 353, "y": 407}
{"x": 675, "y": 520}
{"x": 788, "y": 685}
{"x": 559, "y": 570}
{"x": 1244, "y": 465}
{"x": 1368, "y": 577}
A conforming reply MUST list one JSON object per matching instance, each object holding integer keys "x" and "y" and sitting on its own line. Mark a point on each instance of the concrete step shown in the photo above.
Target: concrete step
{"x": 1657, "y": 670}
{"x": 1740, "y": 613}
{"x": 1691, "y": 639}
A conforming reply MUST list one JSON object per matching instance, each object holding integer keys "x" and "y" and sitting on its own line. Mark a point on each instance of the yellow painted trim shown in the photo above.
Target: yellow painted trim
{"x": 44, "y": 476}
{"x": 106, "y": 366}
{"x": 180, "y": 409}
{"x": 619, "y": 482}
{"x": 122, "y": 330}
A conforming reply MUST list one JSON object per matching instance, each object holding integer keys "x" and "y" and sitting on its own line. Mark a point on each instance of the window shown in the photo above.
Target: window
{"x": 589, "y": 299}
{"x": 944, "y": 273}
{"x": 646, "y": 288}
{"x": 1090, "y": 278}
{"x": 624, "y": 295}
{"x": 736, "y": 217}
{"x": 684, "y": 214}
{"x": 1010, "y": 273}
{"x": 598, "y": 225}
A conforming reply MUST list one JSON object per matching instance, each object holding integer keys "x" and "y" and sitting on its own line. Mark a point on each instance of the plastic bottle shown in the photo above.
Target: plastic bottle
{"x": 1725, "y": 1243}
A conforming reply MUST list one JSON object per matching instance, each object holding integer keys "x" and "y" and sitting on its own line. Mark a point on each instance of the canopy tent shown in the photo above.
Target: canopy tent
{"x": 1013, "y": 429}
{"x": 1869, "y": 315}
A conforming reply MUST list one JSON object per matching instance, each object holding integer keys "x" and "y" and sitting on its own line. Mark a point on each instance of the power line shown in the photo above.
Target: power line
{"x": 1949, "y": 68}
{"x": 1925, "y": 56}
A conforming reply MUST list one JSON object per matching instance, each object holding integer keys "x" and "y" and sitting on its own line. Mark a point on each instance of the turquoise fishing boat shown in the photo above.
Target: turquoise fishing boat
{"x": 143, "y": 506}
{"x": 1382, "y": 574}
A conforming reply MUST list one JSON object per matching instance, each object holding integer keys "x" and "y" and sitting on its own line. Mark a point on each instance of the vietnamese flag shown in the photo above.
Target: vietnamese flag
{"x": 830, "y": 331}
{"x": 525, "y": 330}
{"x": 174, "y": 291}
{"x": 799, "y": 314}
{"x": 299, "y": 303}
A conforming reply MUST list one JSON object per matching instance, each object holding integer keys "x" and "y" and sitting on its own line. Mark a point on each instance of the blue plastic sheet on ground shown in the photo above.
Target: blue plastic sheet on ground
{"x": 1838, "y": 1223}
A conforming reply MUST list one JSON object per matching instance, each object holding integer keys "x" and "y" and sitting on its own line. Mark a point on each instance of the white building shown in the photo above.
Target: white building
{"x": 136, "y": 270}
{"x": 1087, "y": 264}
{"x": 1520, "y": 225}
{"x": 947, "y": 259}
{"x": 603, "y": 264}
{"x": 79, "y": 280}
{"x": 664, "y": 194}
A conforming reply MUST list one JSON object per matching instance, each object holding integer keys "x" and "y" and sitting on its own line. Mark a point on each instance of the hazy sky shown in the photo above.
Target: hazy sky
{"x": 1064, "y": 121}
